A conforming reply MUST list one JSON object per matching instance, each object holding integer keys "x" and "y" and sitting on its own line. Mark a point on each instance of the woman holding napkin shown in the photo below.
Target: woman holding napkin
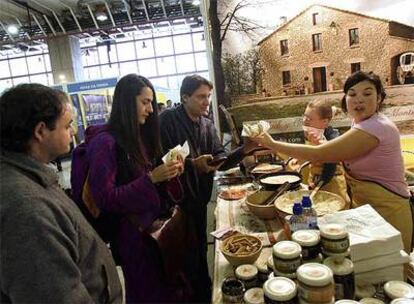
{"x": 370, "y": 152}
{"x": 118, "y": 166}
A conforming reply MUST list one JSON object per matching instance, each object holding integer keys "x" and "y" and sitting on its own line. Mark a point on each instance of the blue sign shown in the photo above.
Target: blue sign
{"x": 58, "y": 87}
{"x": 92, "y": 85}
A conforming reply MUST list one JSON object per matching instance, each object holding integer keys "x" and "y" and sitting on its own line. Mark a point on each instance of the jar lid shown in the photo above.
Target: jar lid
{"x": 254, "y": 296}
{"x": 306, "y": 237}
{"x": 270, "y": 263}
{"x": 364, "y": 291}
{"x": 370, "y": 301}
{"x": 399, "y": 289}
{"x": 346, "y": 301}
{"x": 302, "y": 301}
{"x": 341, "y": 268}
{"x": 314, "y": 274}
{"x": 261, "y": 265}
{"x": 402, "y": 301}
{"x": 280, "y": 289}
{"x": 246, "y": 272}
{"x": 287, "y": 250}
{"x": 333, "y": 231}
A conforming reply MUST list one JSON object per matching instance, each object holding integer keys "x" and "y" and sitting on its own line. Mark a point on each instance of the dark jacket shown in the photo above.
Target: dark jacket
{"x": 49, "y": 252}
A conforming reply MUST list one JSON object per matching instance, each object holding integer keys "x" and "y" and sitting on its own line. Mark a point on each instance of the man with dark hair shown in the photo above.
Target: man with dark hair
{"x": 49, "y": 252}
{"x": 188, "y": 122}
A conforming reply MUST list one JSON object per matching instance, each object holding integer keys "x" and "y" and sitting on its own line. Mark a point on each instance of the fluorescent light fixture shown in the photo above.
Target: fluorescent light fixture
{"x": 101, "y": 16}
{"x": 13, "y": 29}
{"x": 196, "y": 2}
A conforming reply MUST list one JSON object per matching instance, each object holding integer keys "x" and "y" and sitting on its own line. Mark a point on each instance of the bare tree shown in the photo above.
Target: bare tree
{"x": 219, "y": 29}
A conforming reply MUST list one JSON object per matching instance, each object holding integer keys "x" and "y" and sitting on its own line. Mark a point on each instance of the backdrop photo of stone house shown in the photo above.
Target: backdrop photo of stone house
{"x": 320, "y": 47}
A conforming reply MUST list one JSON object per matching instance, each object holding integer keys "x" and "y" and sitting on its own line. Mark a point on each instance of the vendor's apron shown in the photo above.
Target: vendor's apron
{"x": 336, "y": 185}
{"x": 394, "y": 208}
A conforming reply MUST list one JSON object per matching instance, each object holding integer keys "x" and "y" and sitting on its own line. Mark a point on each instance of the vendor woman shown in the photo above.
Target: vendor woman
{"x": 370, "y": 151}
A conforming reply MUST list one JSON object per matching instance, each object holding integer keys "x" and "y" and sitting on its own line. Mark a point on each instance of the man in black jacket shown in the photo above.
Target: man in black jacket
{"x": 188, "y": 122}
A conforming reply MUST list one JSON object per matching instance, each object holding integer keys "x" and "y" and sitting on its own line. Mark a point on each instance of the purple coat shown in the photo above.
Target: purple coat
{"x": 140, "y": 262}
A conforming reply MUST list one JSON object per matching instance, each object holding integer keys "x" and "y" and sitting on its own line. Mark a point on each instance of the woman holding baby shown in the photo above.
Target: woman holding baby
{"x": 120, "y": 164}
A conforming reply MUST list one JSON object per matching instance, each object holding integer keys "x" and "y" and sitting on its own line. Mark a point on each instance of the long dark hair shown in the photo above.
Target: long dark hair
{"x": 140, "y": 142}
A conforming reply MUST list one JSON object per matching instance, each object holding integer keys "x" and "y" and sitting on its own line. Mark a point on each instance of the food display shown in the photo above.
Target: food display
{"x": 233, "y": 193}
{"x": 241, "y": 245}
{"x": 323, "y": 202}
{"x": 267, "y": 168}
{"x": 280, "y": 179}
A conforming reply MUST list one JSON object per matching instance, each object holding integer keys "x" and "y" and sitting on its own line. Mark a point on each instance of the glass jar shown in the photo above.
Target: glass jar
{"x": 334, "y": 238}
{"x": 286, "y": 256}
{"x": 371, "y": 301}
{"x": 402, "y": 301}
{"x": 302, "y": 301}
{"x": 254, "y": 296}
{"x": 309, "y": 241}
{"x": 315, "y": 283}
{"x": 398, "y": 289}
{"x": 343, "y": 276}
{"x": 232, "y": 290}
{"x": 248, "y": 275}
{"x": 280, "y": 290}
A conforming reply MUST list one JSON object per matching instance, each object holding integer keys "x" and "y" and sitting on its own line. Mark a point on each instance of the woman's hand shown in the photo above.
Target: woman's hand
{"x": 264, "y": 140}
{"x": 165, "y": 172}
{"x": 201, "y": 163}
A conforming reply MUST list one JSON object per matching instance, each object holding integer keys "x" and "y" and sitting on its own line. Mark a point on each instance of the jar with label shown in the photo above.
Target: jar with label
{"x": 343, "y": 276}
{"x": 232, "y": 290}
{"x": 302, "y": 301}
{"x": 334, "y": 238}
{"x": 398, "y": 289}
{"x": 280, "y": 290}
{"x": 371, "y": 301}
{"x": 286, "y": 256}
{"x": 254, "y": 296}
{"x": 315, "y": 283}
{"x": 402, "y": 301}
{"x": 364, "y": 291}
{"x": 346, "y": 301}
{"x": 248, "y": 275}
{"x": 309, "y": 241}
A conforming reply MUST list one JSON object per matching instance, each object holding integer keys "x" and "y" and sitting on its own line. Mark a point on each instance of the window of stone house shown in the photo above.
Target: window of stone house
{"x": 353, "y": 37}
{"x": 284, "y": 47}
{"x": 355, "y": 67}
{"x": 317, "y": 42}
{"x": 315, "y": 18}
{"x": 285, "y": 77}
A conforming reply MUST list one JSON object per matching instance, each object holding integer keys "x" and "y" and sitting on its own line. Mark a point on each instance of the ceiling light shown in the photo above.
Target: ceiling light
{"x": 101, "y": 16}
{"x": 13, "y": 29}
{"x": 62, "y": 77}
{"x": 196, "y": 2}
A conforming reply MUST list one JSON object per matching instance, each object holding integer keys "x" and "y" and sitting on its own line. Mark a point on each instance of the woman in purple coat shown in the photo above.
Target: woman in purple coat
{"x": 119, "y": 161}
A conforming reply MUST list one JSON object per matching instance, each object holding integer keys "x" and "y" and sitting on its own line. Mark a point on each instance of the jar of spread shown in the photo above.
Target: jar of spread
{"x": 318, "y": 259}
{"x": 339, "y": 257}
{"x": 248, "y": 275}
{"x": 302, "y": 301}
{"x": 276, "y": 273}
{"x": 343, "y": 276}
{"x": 364, "y": 291}
{"x": 263, "y": 271}
{"x": 315, "y": 283}
{"x": 402, "y": 301}
{"x": 254, "y": 296}
{"x": 371, "y": 301}
{"x": 346, "y": 301}
{"x": 334, "y": 238}
{"x": 232, "y": 290}
{"x": 280, "y": 290}
{"x": 309, "y": 241}
{"x": 286, "y": 256}
{"x": 398, "y": 289}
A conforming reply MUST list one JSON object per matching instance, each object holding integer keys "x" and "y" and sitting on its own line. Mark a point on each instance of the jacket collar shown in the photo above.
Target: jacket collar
{"x": 36, "y": 170}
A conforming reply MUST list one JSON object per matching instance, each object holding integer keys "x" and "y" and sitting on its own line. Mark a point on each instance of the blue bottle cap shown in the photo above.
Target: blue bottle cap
{"x": 297, "y": 209}
{"x": 306, "y": 202}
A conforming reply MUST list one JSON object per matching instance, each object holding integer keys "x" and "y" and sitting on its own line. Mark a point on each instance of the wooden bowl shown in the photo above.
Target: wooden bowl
{"x": 324, "y": 202}
{"x": 255, "y": 204}
{"x": 243, "y": 255}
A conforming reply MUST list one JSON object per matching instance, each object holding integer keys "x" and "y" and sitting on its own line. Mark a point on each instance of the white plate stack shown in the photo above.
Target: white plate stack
{"x": 376, "y": 246}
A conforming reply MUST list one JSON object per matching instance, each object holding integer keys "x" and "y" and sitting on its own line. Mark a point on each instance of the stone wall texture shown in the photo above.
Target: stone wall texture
{"x": 376, "y": 50}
